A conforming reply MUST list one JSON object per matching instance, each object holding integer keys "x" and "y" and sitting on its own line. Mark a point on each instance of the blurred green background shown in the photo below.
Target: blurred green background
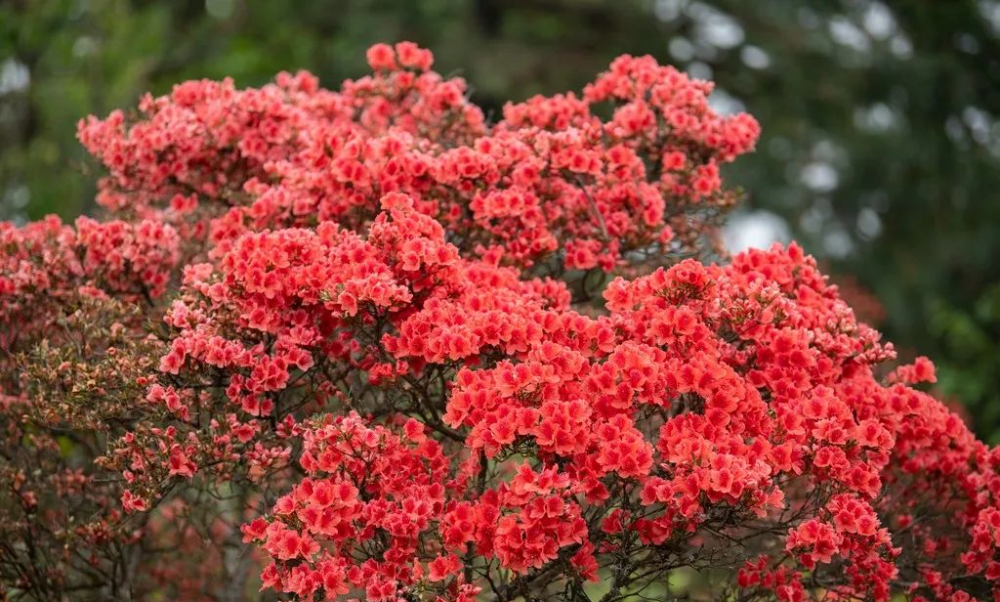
{"x": 880, "y": 153}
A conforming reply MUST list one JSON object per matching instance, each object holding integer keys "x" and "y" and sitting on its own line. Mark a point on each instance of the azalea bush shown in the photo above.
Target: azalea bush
{"x": 368, "y": 344}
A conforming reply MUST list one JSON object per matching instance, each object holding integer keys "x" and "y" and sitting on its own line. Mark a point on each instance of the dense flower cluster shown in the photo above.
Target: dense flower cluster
{"x": 549, "y": 184}
{"x": 348, "y": 341}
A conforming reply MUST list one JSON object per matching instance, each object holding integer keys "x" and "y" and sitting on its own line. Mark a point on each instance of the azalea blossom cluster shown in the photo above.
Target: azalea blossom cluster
{"x": 549, "y": 186}
{"x": 345, "y": 345}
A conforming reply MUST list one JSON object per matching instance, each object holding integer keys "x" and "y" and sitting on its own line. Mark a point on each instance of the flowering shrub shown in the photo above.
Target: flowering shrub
{"x": 364, "y": 344}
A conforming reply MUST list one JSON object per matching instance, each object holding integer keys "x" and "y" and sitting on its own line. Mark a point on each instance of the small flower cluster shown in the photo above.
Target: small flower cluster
{"x": 46, "y": 265}
{"x": 349, "y": 341}
{"x": 367, "y": 487}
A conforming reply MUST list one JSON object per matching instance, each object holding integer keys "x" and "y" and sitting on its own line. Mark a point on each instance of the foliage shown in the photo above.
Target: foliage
{"x": 971, "y": 339}
{"x": 361, "y": 342}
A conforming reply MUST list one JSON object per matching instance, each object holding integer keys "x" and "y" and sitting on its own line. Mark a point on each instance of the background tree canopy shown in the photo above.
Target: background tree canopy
{"x": 881, "y": 134}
